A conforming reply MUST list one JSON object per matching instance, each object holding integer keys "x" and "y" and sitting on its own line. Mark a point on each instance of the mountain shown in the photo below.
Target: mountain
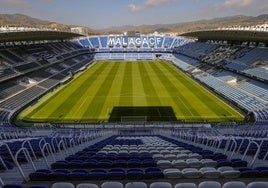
{"x": 194, "y": 25}
{"x": 27, "y": 21}
{"x": 24, "y": 20}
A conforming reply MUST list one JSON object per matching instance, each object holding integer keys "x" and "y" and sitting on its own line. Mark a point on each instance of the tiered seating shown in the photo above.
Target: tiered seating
{"x": 10, "y": 88}
{"x": 26, "y": 67}
{"x": 258, "y": 72}
{"x": 10, "y": 57}
{"x": 257, "y": 89}
{"x": 195, "y": 50}
{"x": 4, "y": 116}
{"x": 22, "y": 98}
{"x": 253, "y": 55}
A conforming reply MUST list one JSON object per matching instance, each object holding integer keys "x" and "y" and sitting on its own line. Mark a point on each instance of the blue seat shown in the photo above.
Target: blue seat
{"x": 90, "y": 164}
{"x": 153, "y": 173}
{"x": 249, "y": 174}
{"x": 239, "y": 163}
{"x": 260, "y": 168}
{"x": 116, "y": 174}
{"x": 59, "y": 175}
{"x": 148, "y": 163}
{"x": 104, "y": 163}
{"x": 38, "y": 186}
{"x": 13, "y": 186}
{"x": 134, "y": 163}
{"x": 39, "y": 176}
{"x": 224, "y": 163}
{"x": 120, "y": 164}
{"x": 97, "y": 174}
{"x": 79, "y": 174}
{"x": 135, "y": 174}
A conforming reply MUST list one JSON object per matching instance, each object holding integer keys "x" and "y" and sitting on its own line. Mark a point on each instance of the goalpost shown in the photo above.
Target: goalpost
{"x": 131, "y": 119}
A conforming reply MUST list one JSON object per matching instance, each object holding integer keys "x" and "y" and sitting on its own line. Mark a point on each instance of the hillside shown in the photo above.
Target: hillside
{"x": 24, "y": 20}
{"x": 192, "y": 26}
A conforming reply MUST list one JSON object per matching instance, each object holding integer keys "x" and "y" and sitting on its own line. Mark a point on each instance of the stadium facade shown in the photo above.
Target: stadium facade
{"x": 133, "y": 155}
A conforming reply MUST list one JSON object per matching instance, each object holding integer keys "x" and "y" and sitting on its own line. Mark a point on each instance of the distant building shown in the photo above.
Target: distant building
{"x": 80, "y": 30}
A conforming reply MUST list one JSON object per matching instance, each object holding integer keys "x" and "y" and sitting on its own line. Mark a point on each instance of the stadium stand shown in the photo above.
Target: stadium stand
{"x": 166, "y": 156}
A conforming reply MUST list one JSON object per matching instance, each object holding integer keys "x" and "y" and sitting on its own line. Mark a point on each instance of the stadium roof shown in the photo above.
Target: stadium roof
{"x": 36, "y": 35}
{"x": 230, "y": 35}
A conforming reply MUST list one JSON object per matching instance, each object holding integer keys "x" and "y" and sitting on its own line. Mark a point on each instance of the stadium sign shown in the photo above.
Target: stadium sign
{"x": 135, "y": 41}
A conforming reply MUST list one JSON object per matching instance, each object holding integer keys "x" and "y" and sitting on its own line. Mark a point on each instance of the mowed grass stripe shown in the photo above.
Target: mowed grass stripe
{"x": 148, "y": 86}
{"x": 113, "y": 96}
{"x": 184, "y": 93}
{"x": 163, "y": 94}
{"x": 126, "y": 98}
{"x": 151, "y": 83}
{"x": 187, "y": 93}
{"x": 175, "y": 93}
{"x": 139, "y": 95}
{"x": 45, "y": 110}
{"x": 95, "y": 107}
{"x": 210, "y": 103}
{"x": 74, "y": 93}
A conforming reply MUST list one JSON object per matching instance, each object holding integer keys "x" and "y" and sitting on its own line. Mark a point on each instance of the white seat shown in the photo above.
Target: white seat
{"x": 172, "y": 173}
{"x": 158, "y": 157}
{"x": 111, "y": 184}
{"x": 234, "y": 184}
{"x": 123, "y": 152}
{"x": 154, "y": 151}
{"x": 229, "y": 172}
{"x": 195, "y": 155}
{"x": 209, "y": 162}
{"x": 87, "y": 185}
{"x": 209, "y": 184}
{"x": 186, "y": 151}
{"x": 179, "y": 164}
{"x": 258, "y": 184}
{"x": 192, "y": 173}
{"x": 170, "y": 157}
{"x": 164, "y": 152}
{"x": 194, "y": 163}
{"x": 160, "y": 185}
{"x": 175, "y": 152}
{"x": 63, "y": 185}
{"x": 182, "y": 156}
{"x": 164, "y": 164}
{"x": 210, "y": 172}
{"x": 136, "y": 185}
{"x": 185, "y": 185}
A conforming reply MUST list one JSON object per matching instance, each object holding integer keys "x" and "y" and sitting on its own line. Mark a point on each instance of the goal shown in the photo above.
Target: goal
{"x": 133, "y": 119}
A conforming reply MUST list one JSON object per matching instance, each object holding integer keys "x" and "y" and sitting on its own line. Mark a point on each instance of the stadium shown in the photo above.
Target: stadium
{"x": 134, "y": 110}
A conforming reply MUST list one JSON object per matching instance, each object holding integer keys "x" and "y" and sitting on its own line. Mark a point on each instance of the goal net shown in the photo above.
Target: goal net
{"x": 131, "y": 119}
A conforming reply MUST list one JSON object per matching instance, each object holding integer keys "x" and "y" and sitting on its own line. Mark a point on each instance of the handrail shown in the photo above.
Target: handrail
{"x": 10, "y": 152}
{"x": 29, "y": 159}
{"x": 40, "y": 142}
{"x": 48, "y": 147}
{"x": 30, "y": 145}
{"x": 235, "y": 146}
{"x": 54, "y": 139}
{"x": 1, "y": 182}
{"x": 72, "y": 144}
{"x": 3, "y": 162}
{"x": 62, "y": 143}
{"x": 227, "y": 144}
{"x": 257, "y": 153}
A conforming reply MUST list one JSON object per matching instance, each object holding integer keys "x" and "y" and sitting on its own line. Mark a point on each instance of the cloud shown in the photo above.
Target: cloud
{"x": 18, "y": 3}
{"x": 148, "y": 4}
{"x": 236, "y": 3}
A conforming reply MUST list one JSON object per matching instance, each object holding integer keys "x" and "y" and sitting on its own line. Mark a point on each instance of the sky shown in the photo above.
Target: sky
{"x": 99, "y": 14}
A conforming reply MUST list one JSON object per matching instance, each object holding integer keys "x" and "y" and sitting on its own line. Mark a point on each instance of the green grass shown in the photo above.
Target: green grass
{"x": 91, "y": 96}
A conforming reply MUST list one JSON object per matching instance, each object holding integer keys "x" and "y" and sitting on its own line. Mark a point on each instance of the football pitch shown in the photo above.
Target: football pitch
{"x": 108, "y": 91}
